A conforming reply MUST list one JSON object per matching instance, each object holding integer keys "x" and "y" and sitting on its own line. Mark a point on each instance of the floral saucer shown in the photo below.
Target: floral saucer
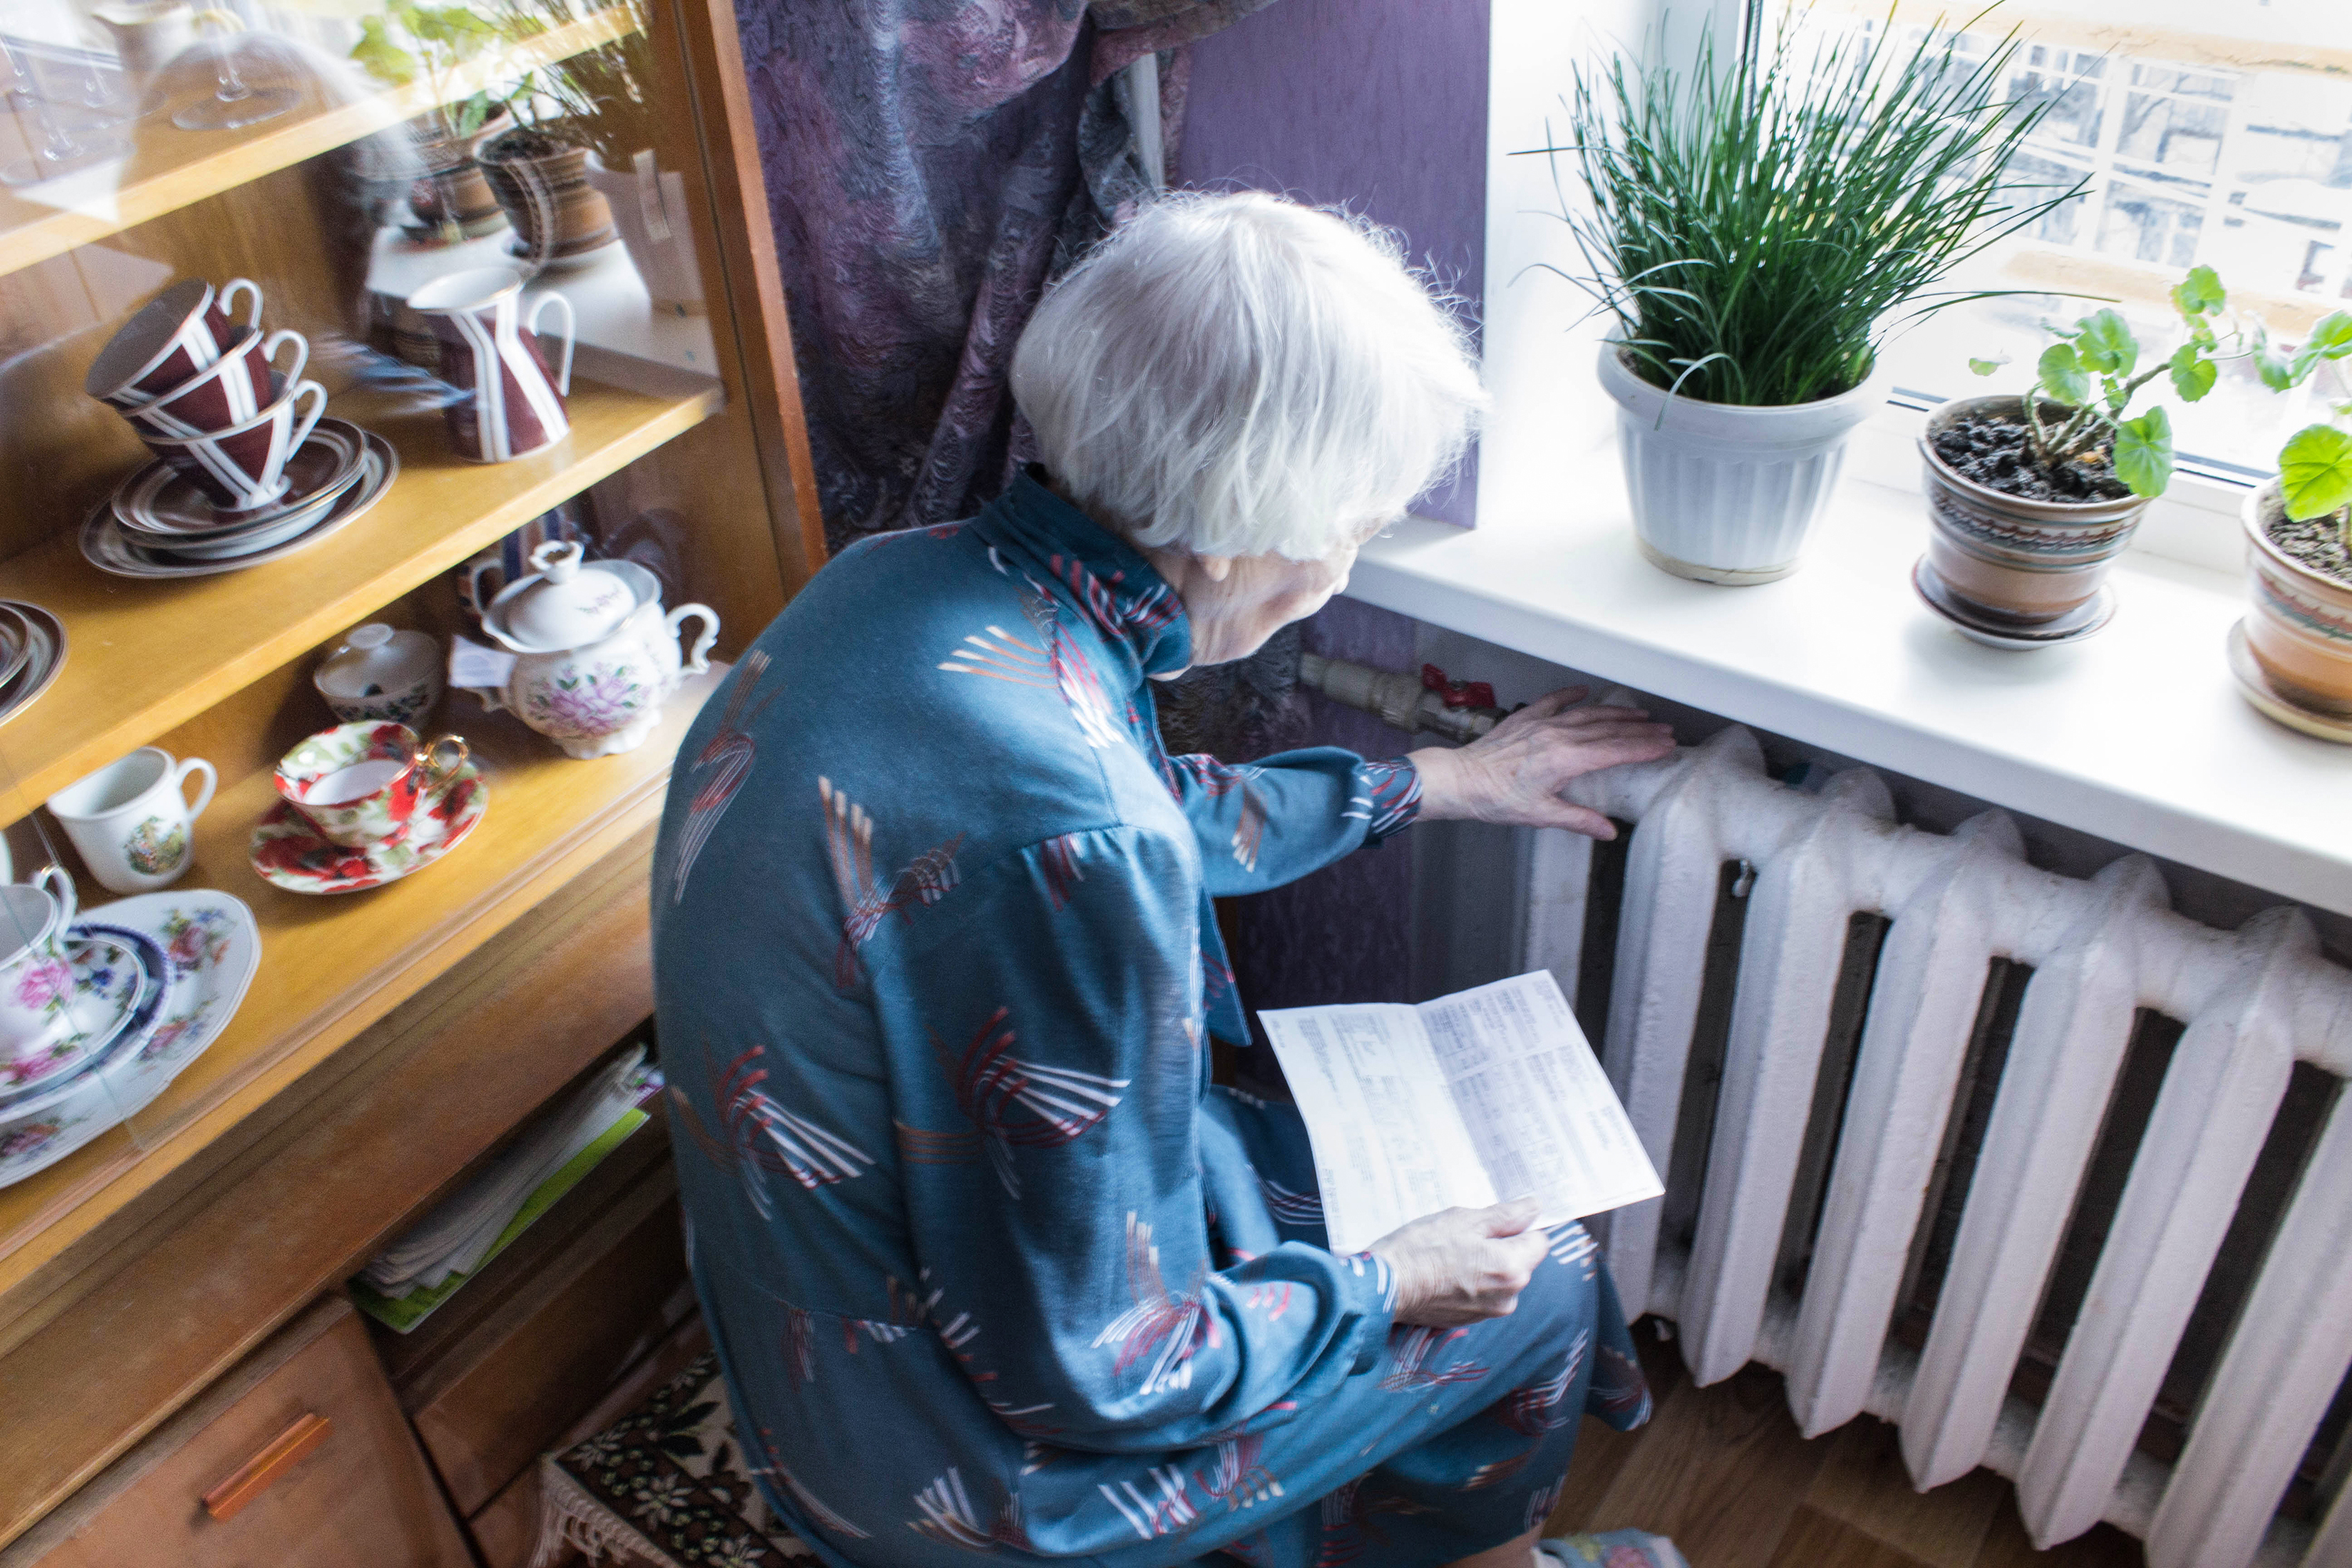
{"x": 108, "y": 983}
{"x": 290, "y": 852}
{"x": 43, "y": 1126}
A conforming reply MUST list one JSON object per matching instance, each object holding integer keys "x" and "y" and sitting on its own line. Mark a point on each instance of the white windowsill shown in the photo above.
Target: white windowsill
{"x": 2137, "y": 735}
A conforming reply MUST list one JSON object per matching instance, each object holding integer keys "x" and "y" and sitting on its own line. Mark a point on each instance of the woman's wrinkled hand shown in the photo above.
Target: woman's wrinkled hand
{"x": 1463, "y": 1266}
{"x": 1513, "y": 774}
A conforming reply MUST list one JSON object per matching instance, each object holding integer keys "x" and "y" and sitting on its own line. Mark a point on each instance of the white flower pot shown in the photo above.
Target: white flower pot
{"x": 1723, "y": 493}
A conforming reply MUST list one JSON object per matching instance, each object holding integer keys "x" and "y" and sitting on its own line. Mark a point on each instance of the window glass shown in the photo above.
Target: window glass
{"x": 2209, "y": 135}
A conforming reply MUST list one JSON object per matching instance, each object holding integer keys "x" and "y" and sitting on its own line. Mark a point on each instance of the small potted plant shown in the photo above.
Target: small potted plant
{"x": 540, "y": 168}
{"x": 453, "y": 202}
{"x": 1756, "y": 231}
{"x": 2031, "y": 497}
{"x": 2293, "y": 654}
{"x": 647, "y": 203}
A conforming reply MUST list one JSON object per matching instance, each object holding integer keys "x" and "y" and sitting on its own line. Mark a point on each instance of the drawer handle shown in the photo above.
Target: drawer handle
{"x": 256, "y": 1474}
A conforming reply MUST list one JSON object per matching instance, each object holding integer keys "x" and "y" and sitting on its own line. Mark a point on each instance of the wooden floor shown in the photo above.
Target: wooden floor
{"x": 1722, "y": 1471}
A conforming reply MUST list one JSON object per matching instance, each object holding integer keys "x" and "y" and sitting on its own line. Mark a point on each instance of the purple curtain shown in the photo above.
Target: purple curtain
{"x": 930, "y": 163}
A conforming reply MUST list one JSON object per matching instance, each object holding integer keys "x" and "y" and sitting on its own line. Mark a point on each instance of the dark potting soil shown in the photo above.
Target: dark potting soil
{"x": 2316, "y": 543}
{"x": 523, "y": 142}
{"x": 1991, "y": 450}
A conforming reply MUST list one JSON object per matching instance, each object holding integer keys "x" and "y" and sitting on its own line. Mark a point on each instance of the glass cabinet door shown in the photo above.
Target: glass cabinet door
{"x": 380, "y": 495}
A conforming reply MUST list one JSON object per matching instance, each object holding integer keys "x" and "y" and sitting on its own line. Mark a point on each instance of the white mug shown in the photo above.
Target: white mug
{"x": 132, "y": 820}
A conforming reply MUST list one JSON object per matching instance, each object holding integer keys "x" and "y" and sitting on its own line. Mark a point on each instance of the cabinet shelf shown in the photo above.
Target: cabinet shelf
{"x": 330, "y": 966}
{"x": 144, "y": 657}
{"x": 169, "y": 168}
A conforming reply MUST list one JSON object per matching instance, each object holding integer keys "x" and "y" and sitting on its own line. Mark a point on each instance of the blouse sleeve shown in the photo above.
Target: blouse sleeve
{"x": 1266, "y": 823}
{"x": 1047, "y": 1067}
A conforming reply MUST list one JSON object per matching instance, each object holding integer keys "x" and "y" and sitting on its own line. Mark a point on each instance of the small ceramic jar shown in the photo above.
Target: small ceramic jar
{"x": 381, "y": 676}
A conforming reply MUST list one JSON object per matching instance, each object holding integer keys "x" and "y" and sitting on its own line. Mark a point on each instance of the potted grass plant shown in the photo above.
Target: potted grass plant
{"x": 2031, "y": 498}
{"x": 2292, "y": 655}
{"x": 1757, "y": 229}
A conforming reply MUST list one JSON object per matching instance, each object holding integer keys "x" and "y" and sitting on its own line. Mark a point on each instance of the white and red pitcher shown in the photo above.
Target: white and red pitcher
{"x": 507, "y": 403}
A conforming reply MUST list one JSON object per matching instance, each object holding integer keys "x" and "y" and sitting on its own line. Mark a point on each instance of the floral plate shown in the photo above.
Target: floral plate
{"x": 201, "y": 949}
{"x": 290, "y": 852}
{"x": 44, "y": 1123}
{"x": 108, "y": 983}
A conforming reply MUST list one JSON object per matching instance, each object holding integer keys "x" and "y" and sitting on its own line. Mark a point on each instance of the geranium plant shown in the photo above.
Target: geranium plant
{"x": 2078, "y": 410}
{"x": 2316, "y": 464}
{"x": 436, "y": 42}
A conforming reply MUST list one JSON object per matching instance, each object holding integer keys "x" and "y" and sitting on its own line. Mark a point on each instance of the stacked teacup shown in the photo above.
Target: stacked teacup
{"x": 222, "y": 407}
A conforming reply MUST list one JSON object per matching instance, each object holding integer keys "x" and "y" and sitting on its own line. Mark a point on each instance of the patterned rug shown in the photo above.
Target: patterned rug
{"x": 666, "y": 1486}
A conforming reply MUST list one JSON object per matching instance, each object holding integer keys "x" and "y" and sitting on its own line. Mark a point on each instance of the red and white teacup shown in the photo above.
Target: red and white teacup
{"x": 236, "y": 389}
{"x": 244, "y": 467}
{"x": 360, "y": 784}
{"x": 184, "y": 329}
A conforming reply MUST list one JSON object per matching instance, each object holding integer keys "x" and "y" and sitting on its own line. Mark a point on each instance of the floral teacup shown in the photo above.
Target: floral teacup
{"x": 36, "y": 981}
{"x": 359, "y": 783}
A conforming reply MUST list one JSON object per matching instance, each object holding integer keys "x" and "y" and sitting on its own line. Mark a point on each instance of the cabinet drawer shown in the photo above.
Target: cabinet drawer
{"x": 298, "y": 1459}
{"x": 494, "y": 1400}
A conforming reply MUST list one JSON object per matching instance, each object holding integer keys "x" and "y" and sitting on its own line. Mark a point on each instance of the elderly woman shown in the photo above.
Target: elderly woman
{"x": 991, "y": 1266}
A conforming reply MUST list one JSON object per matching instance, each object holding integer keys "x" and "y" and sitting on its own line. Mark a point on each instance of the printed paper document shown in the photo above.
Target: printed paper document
{"x": 1487, "y": 1094}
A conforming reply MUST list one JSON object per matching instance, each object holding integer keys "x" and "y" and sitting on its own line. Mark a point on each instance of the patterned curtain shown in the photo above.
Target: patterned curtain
{"x": 930, "y": 165}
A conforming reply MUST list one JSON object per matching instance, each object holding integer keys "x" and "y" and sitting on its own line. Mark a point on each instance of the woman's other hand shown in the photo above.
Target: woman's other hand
{"x": 1513, "y": 774}
{"x": 1462, "y": 1266}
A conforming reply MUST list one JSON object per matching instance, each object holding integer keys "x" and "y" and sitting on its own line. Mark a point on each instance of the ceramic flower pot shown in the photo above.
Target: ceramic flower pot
{"x": 1723, "y": 493}
{"x": 2010, "y": 561}
{"x": 2300, "y": 632}
{"x": 547, "y": 196}
{"x": 452, "y": 202}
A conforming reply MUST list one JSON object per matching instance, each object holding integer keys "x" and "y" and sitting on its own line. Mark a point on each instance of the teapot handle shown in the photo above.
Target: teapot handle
{"x": 699, "y": 658}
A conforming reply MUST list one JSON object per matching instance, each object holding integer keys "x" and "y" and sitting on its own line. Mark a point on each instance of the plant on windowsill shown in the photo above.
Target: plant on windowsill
{"x": 2031, "y": 497}
{"x": 453, "y": 202}
{"x": 540, "y": 169}
{"x": 1758, "y": 230}
{"x": 2293, "y": 656}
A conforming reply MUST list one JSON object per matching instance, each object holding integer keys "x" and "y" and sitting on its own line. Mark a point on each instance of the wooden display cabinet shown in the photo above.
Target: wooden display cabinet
{"x": 390, "y": 1038}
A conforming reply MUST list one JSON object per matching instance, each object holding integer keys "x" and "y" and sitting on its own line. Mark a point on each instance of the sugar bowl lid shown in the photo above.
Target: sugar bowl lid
{"x": 560, "y": 605}
{"x": 375, "y": 659}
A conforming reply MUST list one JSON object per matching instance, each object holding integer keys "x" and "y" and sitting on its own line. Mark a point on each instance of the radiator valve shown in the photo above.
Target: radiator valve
{"x": 1458, "y": 710}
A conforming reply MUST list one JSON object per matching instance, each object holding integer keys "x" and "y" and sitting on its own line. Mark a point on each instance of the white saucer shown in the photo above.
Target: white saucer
{"x": 2076, "y": 623}
{"x": 45, "y": 657}
{"x": 110, "y": 548}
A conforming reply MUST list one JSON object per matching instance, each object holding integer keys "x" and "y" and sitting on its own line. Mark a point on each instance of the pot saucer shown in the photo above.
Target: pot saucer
{"x": 290, "y": 852}
{"x": 45, "y": 656}
{"x": 2256, "y": 687}
{"x": 2076, "y": 625}
{"x": 109, "y": 985}
{"x": 158, "y": 504}
{"x": 108, "y": 546}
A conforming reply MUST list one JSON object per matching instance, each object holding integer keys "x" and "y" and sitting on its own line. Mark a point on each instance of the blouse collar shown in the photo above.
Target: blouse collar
{"x": 1036, "y": 534}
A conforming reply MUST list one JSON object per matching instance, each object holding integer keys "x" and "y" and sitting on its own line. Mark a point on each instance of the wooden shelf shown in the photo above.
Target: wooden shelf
{"x": 142, "y": 656}
{"x": 169, "y": 168}
{"x": 330, "y": 966}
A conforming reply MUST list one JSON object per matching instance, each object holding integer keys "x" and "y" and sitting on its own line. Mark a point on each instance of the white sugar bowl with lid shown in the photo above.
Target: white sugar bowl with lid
{"x": 381, "y": 675}
{"x": 596, "y": 654}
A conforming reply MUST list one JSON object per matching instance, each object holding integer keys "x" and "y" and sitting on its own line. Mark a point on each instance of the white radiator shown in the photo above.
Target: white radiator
{"x": 2253, "y": 1002}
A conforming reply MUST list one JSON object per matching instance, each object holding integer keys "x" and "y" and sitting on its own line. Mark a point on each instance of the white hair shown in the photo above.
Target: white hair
{"x": 1237, "y": 374}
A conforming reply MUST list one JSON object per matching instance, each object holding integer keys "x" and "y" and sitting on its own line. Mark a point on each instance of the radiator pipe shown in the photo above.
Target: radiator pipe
{"x": 1396, "y": 698}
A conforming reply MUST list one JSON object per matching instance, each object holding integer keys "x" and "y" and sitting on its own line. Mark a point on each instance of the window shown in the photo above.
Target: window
{"x": 2209, "y": 135}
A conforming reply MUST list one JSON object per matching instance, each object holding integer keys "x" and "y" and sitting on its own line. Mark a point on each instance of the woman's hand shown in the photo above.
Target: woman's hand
{"x": 1513, "y": 774}
{"x": 1461, "y": 1266}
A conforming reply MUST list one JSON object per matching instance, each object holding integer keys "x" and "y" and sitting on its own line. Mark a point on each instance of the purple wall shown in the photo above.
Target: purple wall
{"x": 1379, "y": 106}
